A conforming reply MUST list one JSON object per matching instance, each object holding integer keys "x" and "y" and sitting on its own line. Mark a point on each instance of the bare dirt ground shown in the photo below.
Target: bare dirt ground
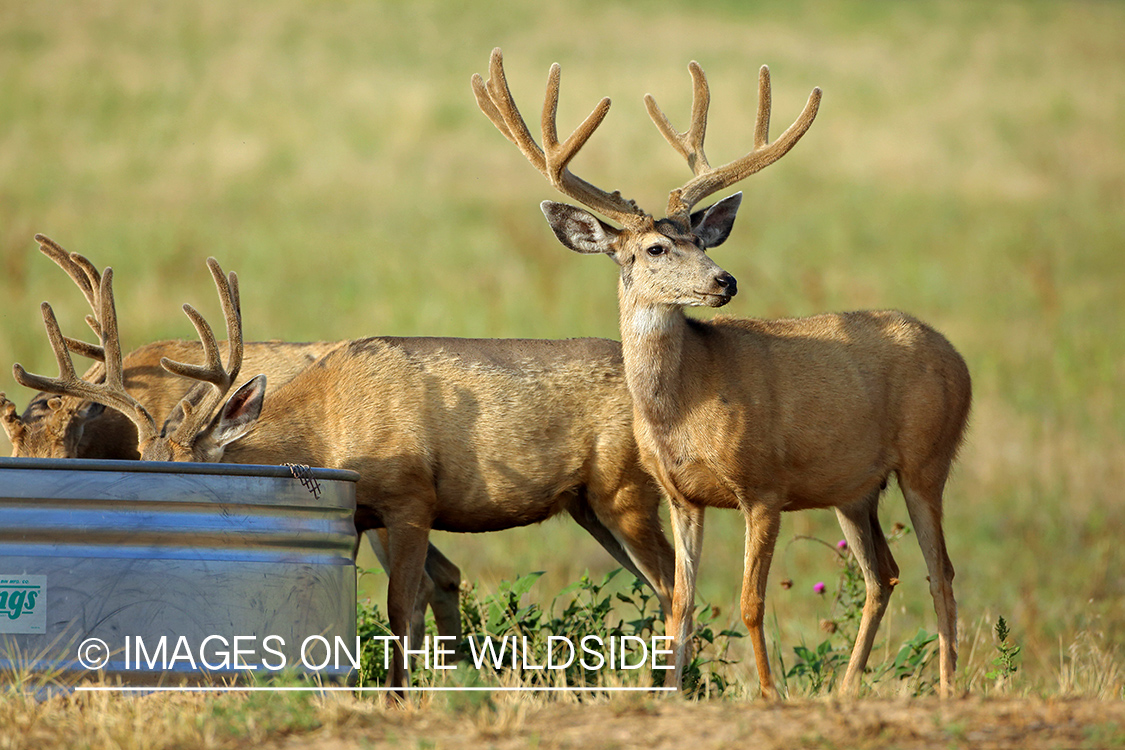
{"x": 1028, "y": 724}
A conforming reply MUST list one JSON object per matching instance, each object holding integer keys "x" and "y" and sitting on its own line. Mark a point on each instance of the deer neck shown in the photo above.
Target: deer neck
{"x": 653, "y": 341}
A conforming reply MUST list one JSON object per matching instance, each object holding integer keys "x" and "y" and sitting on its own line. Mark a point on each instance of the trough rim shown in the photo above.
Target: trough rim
{"x": 174, "y": 467}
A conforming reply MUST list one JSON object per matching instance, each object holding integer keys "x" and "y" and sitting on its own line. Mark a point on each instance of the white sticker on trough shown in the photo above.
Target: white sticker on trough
{"x": 23, "y": 604}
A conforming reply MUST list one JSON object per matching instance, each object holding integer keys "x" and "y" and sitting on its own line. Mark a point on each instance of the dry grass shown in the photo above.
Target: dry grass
{"x": 340, "y": 722}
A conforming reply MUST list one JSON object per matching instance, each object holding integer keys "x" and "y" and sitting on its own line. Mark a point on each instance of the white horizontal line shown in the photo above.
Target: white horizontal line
{"x": 340, "y": 689}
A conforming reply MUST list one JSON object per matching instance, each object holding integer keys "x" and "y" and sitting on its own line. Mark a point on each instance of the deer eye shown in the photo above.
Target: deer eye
{"x": 656, "y": 250}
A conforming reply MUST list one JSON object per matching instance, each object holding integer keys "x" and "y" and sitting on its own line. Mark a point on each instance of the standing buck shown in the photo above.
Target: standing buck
{"x": 465, "y": 435}
{"x": 760, "y": 415}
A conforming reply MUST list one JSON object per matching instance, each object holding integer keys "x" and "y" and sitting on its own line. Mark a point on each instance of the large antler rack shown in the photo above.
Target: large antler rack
{"x": 197, "y": 405}
{"x": 88, "y": 279}
{"x": 709, "y": 180}
{"x": 112, "y": 391}
{"x": 552, "y": 160}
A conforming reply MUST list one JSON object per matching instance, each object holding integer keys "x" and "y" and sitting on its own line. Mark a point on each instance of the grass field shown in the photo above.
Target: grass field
{"x": 967, "y": 165}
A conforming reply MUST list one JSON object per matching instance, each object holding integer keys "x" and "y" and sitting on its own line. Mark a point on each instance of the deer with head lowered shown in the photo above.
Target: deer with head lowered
{"x": 55, "y": 426}
{"x": 760, "y": 415}
{"x": 74, "y": 426}
{"x": 464, "y": 435}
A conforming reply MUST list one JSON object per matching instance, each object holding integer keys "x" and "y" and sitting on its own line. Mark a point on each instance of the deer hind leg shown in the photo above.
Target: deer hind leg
{"x": 880, "y": 575}
{"x": 924, "y": 503}
{"x": 687, "y": 531}
{"x": 762, "y": 525}
{"x": 580, "y": 510}
{"x": 446, "y": 597}
{"x": 629, "y": 528}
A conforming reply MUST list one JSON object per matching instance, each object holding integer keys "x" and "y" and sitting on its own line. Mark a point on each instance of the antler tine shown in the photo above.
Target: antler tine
{"x": 114, "y": 384}
{"x": 552, "y": 160}
{"x": 95, "y": 278}
{"x": 112, "y": 391}
{"x": 78, "y": 346}
{"x": 559, "y": 155}
{"x": 495, "y": 100}
{"x": 86, "y": 276}
{"x": 765, "y": 107}
{"x": 111, "y": 342}
{"x": 80, "y": 270}
{"x": 67, "y": 378}
{"x": 689, "y": 144}
{"x": 709, "y": 180}
{"x": 213, "y": 371}
{"x": 196, "y": 407}
{"x": 232, "y": 313}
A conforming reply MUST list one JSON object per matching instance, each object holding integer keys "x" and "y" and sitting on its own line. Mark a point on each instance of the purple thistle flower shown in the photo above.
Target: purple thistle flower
{"x": 842, "y": 544}
{"x": 818, "y": 587}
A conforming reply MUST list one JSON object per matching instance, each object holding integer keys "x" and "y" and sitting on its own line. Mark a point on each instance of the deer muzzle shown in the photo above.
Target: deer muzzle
{"x": 725, "y": 286}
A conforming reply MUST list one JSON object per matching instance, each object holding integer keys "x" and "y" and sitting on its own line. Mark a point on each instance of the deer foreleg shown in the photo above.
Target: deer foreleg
{"x": 687, "y": 531}
{"x": 580, "y": 510}
{"x": 446, "y": 605}
{"x": 407, "y": 557}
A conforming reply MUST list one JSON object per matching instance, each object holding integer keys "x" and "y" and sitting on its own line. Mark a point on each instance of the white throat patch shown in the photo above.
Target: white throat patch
{"x": 654, "y": 320}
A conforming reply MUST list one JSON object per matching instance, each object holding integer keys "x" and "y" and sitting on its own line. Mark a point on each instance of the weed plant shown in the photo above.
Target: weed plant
{"x": 1006, "y": 653}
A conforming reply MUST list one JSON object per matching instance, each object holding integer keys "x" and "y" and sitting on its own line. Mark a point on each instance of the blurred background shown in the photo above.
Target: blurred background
{"x": 967, "y": 165}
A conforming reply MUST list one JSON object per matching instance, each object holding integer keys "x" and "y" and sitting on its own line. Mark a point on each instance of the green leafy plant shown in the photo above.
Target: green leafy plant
{"x": 370, "y": 623}
{"x": 705, "y": 675}
{"x": 911, "y": 661}
{"x": 817, "y": 667}
{"x": 1005, "y": 661}
{"x": 585, "y": 612}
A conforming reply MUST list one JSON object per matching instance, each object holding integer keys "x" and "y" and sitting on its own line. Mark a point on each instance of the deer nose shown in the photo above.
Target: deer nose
{"x": 728, "y": 283}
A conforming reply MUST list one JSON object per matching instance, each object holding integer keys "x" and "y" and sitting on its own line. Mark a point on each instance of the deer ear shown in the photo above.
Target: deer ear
{"x": 578, "y": 229}
{"x": 87, "y": 413}
{"x": 240, "y": 413}
{"x": 90, "y": 410}
{"x": 712, "y": 225}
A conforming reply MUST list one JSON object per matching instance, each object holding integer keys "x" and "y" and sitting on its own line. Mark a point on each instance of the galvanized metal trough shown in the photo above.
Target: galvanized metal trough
{"x": 159, "y": 573}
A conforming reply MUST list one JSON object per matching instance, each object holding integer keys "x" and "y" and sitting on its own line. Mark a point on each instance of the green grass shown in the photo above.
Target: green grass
{"x": 967, "y": 165}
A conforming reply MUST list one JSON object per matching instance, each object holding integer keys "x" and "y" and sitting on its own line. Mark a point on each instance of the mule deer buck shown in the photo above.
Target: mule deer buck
{"x": 69, "y": 427}
{"x": 465, "y": 435}
{"x": 761, "y": 415}
{"x": 76, "y": 427}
